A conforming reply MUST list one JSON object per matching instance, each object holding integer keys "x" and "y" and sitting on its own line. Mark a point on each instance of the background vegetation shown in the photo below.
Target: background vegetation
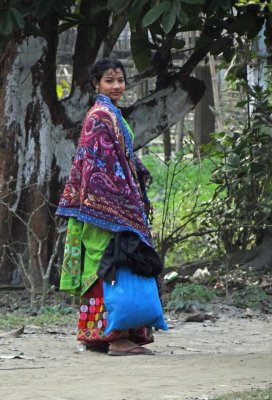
{"x": 212, "y": 188}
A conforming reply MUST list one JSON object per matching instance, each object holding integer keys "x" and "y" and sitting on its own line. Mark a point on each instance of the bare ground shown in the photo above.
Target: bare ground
{"x": 192, "y": 361}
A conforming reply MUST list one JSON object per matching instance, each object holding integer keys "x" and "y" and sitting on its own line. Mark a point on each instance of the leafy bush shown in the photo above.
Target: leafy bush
{"x": 179, "y": 193}
{"x": 243, "y": 200}
{"x": 222, "y": 202}
{"x": 252, "y": 297}
{"x": 186, "y": 295}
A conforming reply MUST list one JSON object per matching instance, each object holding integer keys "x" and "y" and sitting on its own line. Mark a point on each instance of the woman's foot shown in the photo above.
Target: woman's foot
{"x": 125, "y": 347}
{"x": 101, "y": 347}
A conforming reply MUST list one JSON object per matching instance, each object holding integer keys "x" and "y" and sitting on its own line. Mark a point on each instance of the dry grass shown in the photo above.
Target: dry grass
{"x": 256, "y": 394}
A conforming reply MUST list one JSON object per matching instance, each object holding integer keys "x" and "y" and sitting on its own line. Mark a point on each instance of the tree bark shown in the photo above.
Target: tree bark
{"x": 204, "y": 117}
{"x": 150, "y": 116}
{"x": 179, "y": 135}
{"x": 167, "y": 145}
{"x": 29, "y": 118}
{"x": 216, "y": 94}
{"x": 7, "y": 165}
{"x": 88, "y": 43}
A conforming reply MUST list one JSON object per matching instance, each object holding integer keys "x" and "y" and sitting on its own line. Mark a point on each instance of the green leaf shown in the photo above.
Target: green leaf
{"x": 176, "y": 6}
{"x": 17, "y": 18}
{"x": 135, "y": 12}
{"x": 118, "y": 5}
{"x": 241, "y": 104}
{"x": 194, "y": 1}
{"x": 257, "y": 167}
{"x": 183, "y": 17}
{"x": 65, "y": 84}
{"x": 6, "y": 24}
{"x": 233, "y": 160}
{"x": 155, "y": 12}
{"x": 266, "y": 130}
{"x": 43, "y": 8}
{"x": 168, "y": 20}
{"x": 59, "y": 91}
{"x": 140, "y": 49}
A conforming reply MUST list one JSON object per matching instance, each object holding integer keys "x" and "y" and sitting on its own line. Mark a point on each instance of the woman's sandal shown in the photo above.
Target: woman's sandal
{"x": 125, "y": 347}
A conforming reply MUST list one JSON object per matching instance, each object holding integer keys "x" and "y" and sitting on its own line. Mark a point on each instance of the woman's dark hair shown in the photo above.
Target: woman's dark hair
{"x": 103, "y": 65}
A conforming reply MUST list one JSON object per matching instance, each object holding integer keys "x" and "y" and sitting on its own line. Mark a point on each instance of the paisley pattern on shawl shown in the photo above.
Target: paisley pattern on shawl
{"x": 107, "y": 182}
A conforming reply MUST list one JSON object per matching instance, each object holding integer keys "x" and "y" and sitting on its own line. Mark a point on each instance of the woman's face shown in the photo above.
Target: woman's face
{"x": 112, "y": 84}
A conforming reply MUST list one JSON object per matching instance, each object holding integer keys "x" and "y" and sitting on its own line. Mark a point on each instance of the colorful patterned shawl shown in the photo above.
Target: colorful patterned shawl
{"x": 107, "y": 181}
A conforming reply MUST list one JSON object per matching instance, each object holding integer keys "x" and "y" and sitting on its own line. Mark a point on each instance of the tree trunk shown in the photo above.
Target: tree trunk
{"x": 216, "y": 94}
{"x": 7, "y": 167}
{"x": 88, "y": 43}
{"x": 179, "y": 135}
{"x": 167, "y": 145}
{"x": 31, "y": 142}
{"x": 204, "y": 117}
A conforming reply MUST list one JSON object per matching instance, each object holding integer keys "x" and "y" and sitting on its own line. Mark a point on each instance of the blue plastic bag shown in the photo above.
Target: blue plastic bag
{"x": 133, "y": 301}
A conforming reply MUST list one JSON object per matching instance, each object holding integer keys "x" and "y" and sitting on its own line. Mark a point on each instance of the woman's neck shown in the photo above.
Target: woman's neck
{"x": 115, "y": 103}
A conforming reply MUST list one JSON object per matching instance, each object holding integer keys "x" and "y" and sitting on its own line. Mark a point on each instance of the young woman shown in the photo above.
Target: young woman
{"x": 104, "y": 194}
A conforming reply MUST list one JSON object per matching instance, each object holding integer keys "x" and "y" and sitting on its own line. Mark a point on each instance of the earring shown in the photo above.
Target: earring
{"x": 96, "y": 90}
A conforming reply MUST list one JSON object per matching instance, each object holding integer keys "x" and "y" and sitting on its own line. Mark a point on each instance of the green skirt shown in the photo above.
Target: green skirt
{"x": 84, "y": 247}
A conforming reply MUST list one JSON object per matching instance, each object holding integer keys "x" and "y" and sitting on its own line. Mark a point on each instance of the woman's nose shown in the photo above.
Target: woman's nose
{"x": 116, "y": 84}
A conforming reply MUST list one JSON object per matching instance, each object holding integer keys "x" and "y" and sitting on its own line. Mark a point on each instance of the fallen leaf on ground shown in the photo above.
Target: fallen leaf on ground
{"x": 13, "y": 334}
{"x": 200, "y": 317}
{"x": 13, "y": 356}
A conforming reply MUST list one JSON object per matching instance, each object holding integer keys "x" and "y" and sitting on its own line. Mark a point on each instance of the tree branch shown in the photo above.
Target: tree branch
{"x": 86, "y": 48}
{"x": 118, "y": 25}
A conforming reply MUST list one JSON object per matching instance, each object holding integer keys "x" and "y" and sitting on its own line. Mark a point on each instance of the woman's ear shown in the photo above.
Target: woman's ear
{"x": 95, "y": 86}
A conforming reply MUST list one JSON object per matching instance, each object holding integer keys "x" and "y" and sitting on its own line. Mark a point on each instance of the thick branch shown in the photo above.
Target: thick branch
{"x": 118, "y": 25}
{"x": 85, "y": 49}
{"x": 192, "y": 62}
{"x": 45, "y": 69}
{"x": 150, "y": 116}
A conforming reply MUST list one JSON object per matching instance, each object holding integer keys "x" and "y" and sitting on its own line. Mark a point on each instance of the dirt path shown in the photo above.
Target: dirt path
{"x": 192, "y": 361}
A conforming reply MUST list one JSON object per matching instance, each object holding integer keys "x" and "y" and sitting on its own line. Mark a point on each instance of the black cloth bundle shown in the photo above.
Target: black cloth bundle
{"x": 127, "y": 249}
